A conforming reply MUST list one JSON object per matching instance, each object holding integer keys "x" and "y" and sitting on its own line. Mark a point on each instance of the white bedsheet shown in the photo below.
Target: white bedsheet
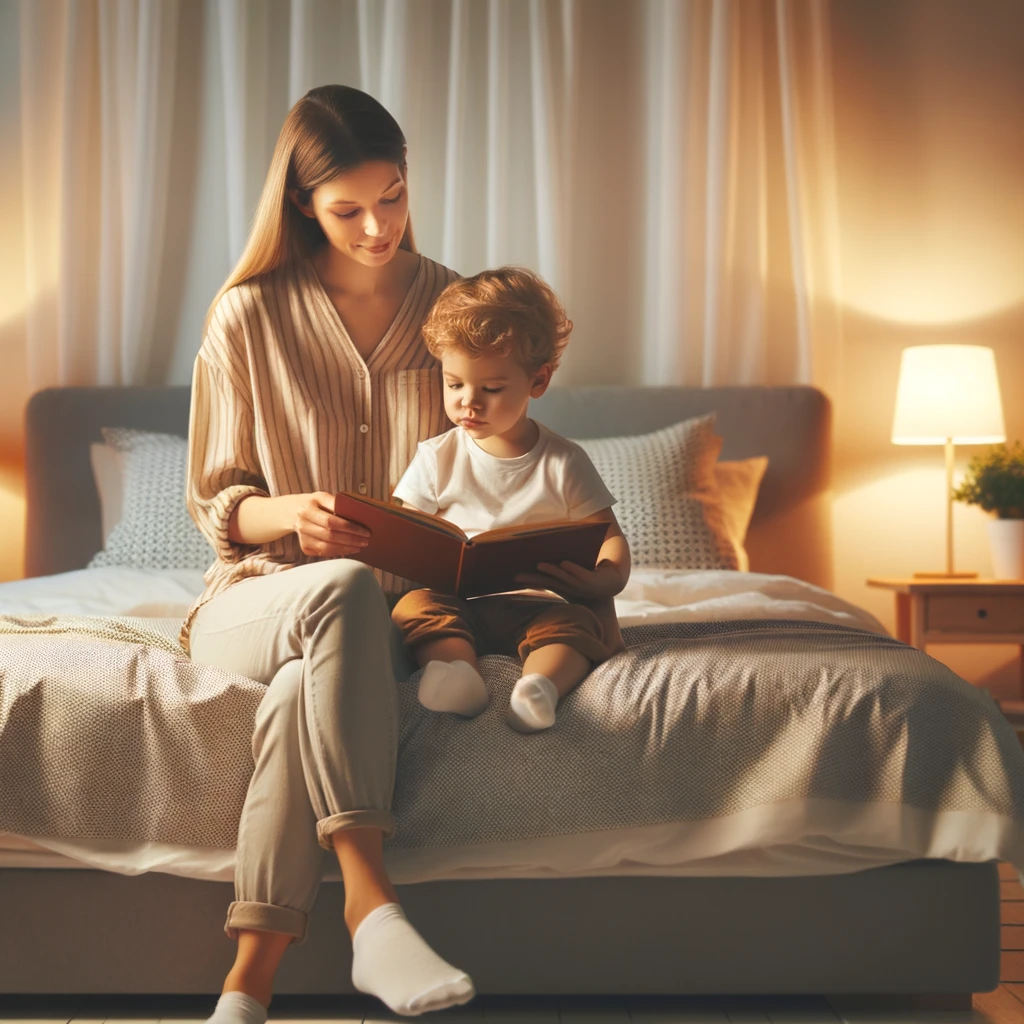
{"x": 667, "y": 850}
{"x": 670, "y": 595}
{"x": 651, "y": 596}
{"x": 110, "y": 590}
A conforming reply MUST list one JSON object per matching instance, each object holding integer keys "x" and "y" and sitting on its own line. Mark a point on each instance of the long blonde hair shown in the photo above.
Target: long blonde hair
{"x": 332, "y": 129}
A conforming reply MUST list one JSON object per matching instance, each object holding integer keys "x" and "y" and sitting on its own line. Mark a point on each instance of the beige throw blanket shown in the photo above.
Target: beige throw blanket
{"x": 108, "y": 731}
{"x": 817, "y": 729}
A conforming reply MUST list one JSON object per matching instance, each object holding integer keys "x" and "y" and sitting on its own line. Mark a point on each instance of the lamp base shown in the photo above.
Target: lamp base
{"x": 945, "y": 575}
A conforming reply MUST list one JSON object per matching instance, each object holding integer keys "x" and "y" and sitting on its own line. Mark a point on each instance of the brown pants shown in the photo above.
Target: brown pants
{"x": 504, "y": 624}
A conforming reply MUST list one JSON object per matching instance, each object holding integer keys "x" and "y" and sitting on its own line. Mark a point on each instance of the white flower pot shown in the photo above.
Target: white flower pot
{"x": 1006, "y": 538}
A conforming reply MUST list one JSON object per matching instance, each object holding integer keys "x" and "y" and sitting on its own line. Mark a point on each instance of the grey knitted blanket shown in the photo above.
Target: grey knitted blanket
{"x": 107, "y": 732}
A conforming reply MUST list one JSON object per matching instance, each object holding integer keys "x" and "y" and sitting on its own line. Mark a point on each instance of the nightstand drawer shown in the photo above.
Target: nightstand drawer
{"x": 993, "y": 613}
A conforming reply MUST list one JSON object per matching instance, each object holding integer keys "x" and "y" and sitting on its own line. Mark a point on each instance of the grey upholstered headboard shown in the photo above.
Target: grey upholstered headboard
{"x": 790, "y": 532}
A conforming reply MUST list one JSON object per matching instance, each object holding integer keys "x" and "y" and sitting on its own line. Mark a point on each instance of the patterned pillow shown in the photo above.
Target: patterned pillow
{"x": 155, "y": 531}
{"x": 669, "y": 506}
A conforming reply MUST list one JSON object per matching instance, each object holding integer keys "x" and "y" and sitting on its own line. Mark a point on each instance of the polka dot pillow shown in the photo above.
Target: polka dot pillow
{"x": 668, "y": 506}
{"x": 155, "y": 530}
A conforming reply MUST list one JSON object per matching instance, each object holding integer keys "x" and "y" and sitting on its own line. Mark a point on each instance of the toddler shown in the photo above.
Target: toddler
{"x": 499, "y": 337}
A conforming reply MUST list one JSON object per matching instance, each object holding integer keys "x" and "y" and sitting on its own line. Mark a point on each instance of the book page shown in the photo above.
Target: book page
{"x": 552, "y": 526}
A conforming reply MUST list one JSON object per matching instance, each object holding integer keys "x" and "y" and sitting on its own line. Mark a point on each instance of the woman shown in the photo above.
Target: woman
{"x": 313, "y": 378}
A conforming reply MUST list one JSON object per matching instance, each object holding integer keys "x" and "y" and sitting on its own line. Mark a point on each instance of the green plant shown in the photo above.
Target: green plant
{"x": 995, "y": 481}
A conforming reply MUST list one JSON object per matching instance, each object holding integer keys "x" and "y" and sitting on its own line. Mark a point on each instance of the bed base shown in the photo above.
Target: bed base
{"x": 926, "y": 931}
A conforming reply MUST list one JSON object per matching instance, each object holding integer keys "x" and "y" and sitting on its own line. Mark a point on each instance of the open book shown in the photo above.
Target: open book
{"x": 437, "y": 554}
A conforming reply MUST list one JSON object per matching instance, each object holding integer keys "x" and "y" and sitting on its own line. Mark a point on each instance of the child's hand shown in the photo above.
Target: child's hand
{"x": 574, "y": 582}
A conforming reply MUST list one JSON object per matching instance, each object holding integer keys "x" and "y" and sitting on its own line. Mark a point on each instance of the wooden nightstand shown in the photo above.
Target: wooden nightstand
{"x": 958, "y": 611}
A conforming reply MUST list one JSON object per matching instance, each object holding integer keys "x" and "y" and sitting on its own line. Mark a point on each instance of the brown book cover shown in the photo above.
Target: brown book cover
{"x": 437, "y": 554}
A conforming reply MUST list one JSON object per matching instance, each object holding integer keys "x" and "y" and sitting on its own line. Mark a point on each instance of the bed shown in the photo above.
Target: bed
{"x": 829, "y": 914}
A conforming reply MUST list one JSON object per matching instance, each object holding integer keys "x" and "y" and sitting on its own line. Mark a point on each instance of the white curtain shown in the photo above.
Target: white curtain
{"x": 741, "y": 260}
{"x": 667, "y": 164}
{"x": 97, "y": 88}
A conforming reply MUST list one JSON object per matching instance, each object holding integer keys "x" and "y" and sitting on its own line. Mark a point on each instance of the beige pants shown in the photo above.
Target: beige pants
{"x": 319, "y": 636}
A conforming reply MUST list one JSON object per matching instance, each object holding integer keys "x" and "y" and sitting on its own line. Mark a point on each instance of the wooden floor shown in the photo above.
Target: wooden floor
{"x": 999, "y": 1007}
{"x": 1003, "y": 1006}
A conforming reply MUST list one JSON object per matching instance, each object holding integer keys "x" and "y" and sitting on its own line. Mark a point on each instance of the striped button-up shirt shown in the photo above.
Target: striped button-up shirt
{"x": 283, "y": 403}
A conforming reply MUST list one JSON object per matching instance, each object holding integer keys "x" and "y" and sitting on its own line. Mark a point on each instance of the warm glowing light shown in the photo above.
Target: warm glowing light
{"x": 937, "y": 288}
{"x": 893, "y": 524}
{"x": 12, "y": 522}
{"x": 948, "y": 392}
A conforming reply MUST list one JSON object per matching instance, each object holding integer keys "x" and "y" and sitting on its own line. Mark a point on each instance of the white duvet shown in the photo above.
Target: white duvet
{"x": 670, "y": 595}
{"x": 111, "y": 590}
{"x": 651, "y": 596}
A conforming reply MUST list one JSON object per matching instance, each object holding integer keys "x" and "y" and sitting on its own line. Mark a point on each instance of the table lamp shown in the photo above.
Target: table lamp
{"x": 948, "y": 394}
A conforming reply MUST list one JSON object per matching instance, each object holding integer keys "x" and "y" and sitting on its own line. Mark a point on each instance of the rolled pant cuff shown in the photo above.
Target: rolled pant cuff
{"x": 326, "y": 827}
{"x": 265, "y": 917}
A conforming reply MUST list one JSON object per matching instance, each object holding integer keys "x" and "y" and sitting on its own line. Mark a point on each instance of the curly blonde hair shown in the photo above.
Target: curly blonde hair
{"x": 507, "y": 311}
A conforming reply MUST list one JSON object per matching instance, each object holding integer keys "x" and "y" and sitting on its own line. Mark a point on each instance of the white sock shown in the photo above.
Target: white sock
{"x": 391, "y": 961}
{"x": 532, "y": 704}
{"x": 238, "y": 1008}
{"x": 453, "y": 686}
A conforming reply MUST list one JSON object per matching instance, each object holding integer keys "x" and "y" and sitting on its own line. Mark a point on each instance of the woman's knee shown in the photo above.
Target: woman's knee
{"x": 341, "y": 581}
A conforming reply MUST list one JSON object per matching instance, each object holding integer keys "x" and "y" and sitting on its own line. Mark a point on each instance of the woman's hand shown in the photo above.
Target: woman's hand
{"x": 321, "y": 532}
{"x": 575, "y": 583}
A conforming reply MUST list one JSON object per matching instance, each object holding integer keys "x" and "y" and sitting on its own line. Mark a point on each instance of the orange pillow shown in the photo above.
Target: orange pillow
{"x": 738, "y": 484}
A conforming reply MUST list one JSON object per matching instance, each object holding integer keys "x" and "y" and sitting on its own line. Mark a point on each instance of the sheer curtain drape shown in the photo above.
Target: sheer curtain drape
{"x": 96, "y": 136}
{"x": 666, "y": 164}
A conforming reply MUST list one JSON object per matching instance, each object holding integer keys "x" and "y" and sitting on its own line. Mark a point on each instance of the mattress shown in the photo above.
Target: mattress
{"x": 754, "y": 842}
{"x": 655, "y": 850}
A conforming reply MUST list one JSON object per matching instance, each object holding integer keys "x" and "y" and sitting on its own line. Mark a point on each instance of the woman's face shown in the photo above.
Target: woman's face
{"x": 363, "y": 212}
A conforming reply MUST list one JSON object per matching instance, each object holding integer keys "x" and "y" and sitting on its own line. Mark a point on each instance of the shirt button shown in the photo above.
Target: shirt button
{"x": 362, "y": 488}
{"x": 363, "y": 428}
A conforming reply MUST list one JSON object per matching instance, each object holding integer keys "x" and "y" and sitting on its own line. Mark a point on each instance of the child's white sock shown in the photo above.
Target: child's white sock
{"x": 453, "y": 686}
{"x": 532, "y": 704}
{"x": 238, "y": 1008}
{"x": 391, "y": 961}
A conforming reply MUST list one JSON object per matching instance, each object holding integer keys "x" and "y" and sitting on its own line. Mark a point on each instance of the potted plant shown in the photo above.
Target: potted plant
{"x": 995, "y": 482}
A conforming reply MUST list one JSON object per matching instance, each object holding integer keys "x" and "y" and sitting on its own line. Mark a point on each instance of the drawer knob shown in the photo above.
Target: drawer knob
{"x": 982, "y": 614}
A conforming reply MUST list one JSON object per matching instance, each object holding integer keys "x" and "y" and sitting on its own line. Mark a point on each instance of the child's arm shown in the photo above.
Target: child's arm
{"x": 615, "y": 549}
{"x": 595, "y": 587}
{"x": 588, "y": 586}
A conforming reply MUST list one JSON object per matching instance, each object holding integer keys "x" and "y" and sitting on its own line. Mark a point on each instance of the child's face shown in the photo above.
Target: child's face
{"x": 489, "y": 395}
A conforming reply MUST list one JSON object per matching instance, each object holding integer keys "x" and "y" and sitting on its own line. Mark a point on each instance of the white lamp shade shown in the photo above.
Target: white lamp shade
{"x": 948, "y": 392}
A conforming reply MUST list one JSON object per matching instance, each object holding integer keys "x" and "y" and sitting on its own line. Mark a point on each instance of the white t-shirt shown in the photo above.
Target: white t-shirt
{"x": 452, "y": 476}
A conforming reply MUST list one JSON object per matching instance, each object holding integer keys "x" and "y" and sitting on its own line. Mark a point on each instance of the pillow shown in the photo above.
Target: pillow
{"x": 669, "y": 507}
{"x": 738, "y": 484}
{"x": 107, "y": 472}
{"x": 155, "y": 530}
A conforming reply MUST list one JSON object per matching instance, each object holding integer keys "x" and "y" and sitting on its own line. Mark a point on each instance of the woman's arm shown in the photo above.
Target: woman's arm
{"x": 260, "y": 520}
{"x": 226, "y": 491}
